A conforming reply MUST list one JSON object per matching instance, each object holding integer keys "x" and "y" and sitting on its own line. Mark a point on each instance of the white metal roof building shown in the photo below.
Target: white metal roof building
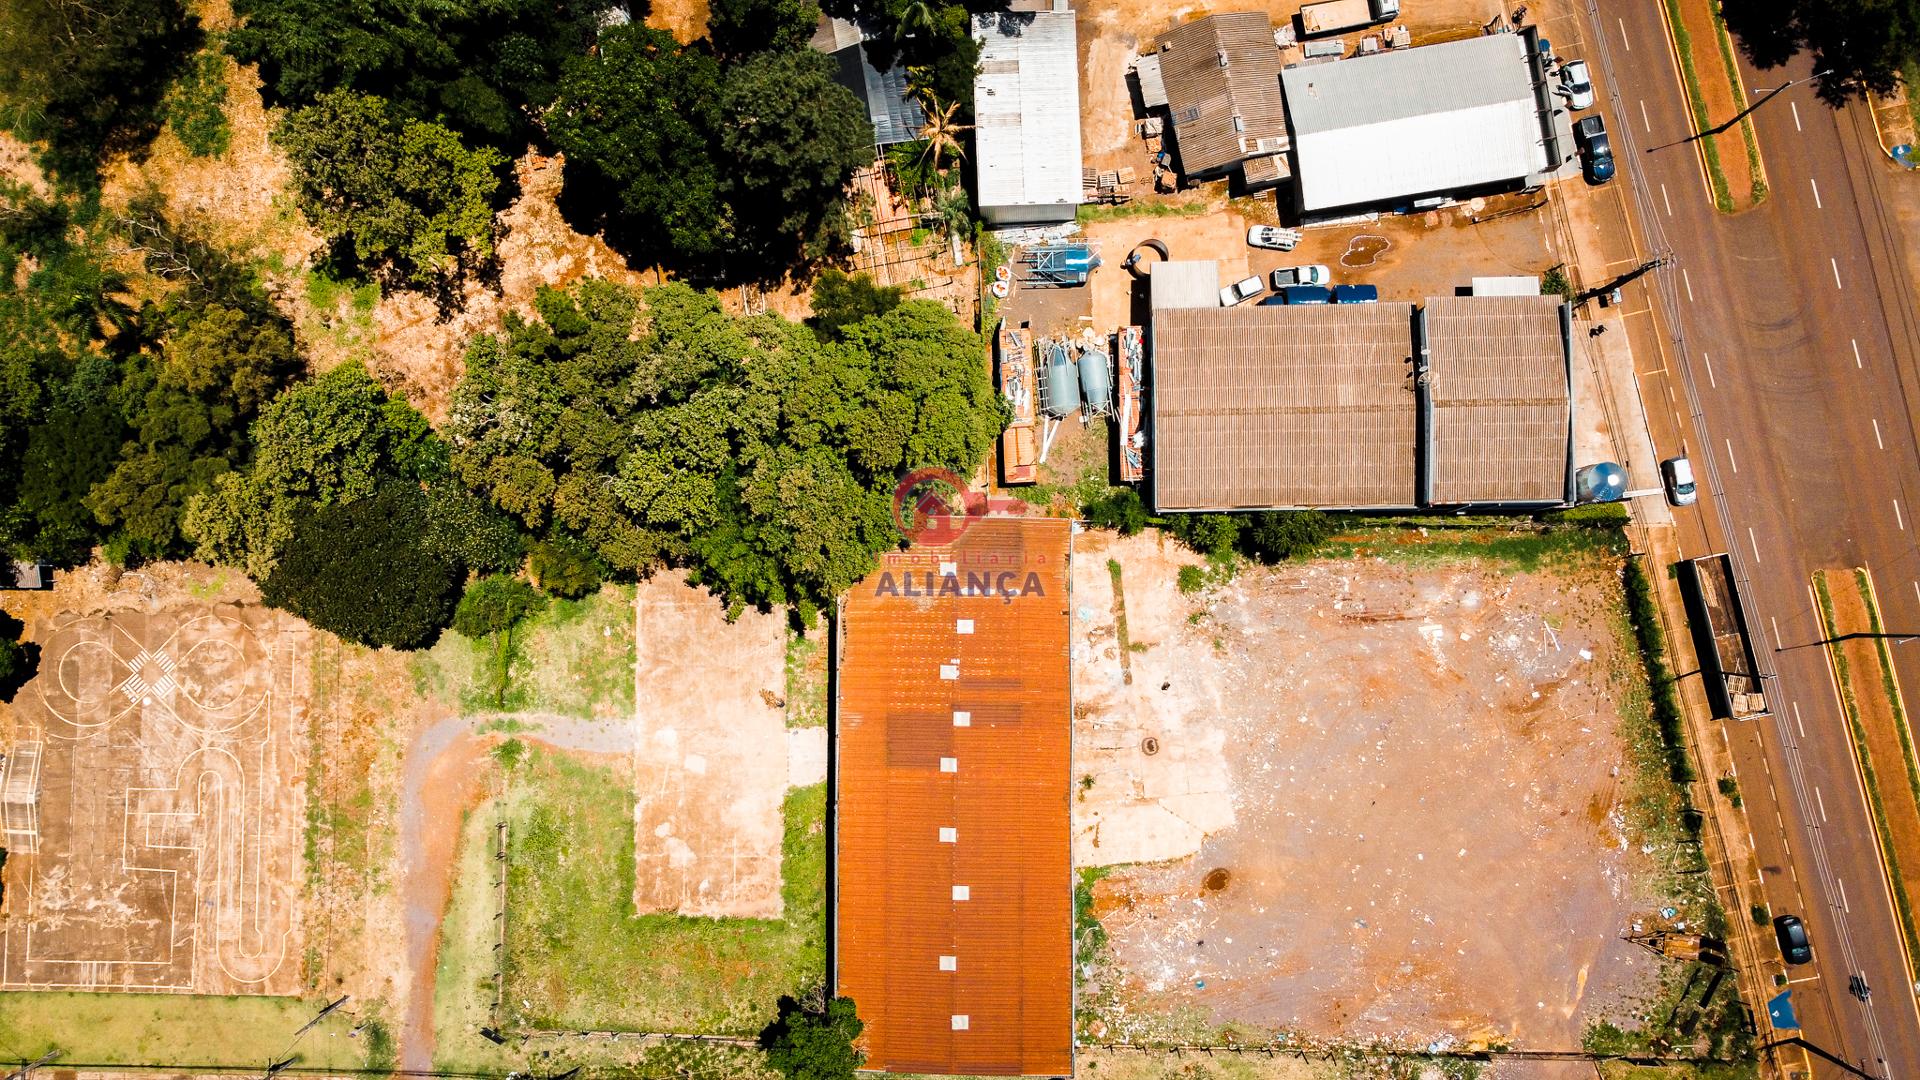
{"x": 1026, "y": 104}
{"x": 1402, "y": 124}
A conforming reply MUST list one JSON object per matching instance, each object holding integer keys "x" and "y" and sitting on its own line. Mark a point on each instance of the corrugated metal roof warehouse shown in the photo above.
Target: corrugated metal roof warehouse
{"x": 953, "y": 883}
{"x": 1026, "y": 109}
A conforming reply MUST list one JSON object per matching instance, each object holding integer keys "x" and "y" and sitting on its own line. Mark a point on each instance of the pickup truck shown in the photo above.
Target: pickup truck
{"x": 1338, "y": 16}
{"x": 1301, "y": 275}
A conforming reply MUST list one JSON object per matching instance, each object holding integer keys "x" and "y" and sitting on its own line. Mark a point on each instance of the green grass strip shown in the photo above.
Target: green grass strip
{"x": 1759, "y": 193}
{"x": 1844, "y": 677}
{"x": 1683, "y": 44}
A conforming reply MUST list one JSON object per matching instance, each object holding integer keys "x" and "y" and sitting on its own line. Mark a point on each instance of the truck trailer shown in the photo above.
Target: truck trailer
{"x": 1339, "y": 16}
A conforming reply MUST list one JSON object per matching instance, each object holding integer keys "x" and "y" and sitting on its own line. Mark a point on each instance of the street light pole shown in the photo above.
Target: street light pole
{"x": 1743, "y": 113}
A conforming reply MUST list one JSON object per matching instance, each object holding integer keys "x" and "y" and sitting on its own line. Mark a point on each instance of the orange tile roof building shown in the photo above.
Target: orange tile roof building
{"x": 953, "y": 879}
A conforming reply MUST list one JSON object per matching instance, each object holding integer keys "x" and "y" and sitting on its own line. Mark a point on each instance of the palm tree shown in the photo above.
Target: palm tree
{"x": 941, "y": 133}
{"x": 915, "y": 17}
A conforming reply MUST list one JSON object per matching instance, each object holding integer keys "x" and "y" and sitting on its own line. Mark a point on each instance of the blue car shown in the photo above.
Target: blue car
{"x": 1307, "y": 294}
{"x": 1356, "y": 294}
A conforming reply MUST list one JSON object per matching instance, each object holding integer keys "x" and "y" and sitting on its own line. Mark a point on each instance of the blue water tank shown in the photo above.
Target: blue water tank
{"x": 1601, "y": 482}
{"x": 1096, "y": 380}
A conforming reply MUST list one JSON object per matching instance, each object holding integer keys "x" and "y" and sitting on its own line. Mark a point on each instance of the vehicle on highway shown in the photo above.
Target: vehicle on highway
{"x": 1302, "y": 275}
{"x": 1794, "y": 947}
{"x": 1596, "y": 152}
{"x": 1356, "y": 294}
{"x": 1272, "y": 237}
{"x": 1578, "y": 85}
{"x": 1241, "y": 291}
{"x": 1678, "y": 473}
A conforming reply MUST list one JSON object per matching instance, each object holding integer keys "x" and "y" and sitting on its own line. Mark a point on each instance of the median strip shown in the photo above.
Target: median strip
{"x": 1883, "y": 745}
{"x": 1732, "y": 162}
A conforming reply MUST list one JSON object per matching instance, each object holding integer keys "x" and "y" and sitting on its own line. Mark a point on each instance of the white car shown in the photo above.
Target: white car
{"x": 1678, "y": 473}
{"x": 1272, "y": 237}
{"x": 1314, "y": 274}
{"x": 1577, "y": 84}
{"x": 1241, "y": 291}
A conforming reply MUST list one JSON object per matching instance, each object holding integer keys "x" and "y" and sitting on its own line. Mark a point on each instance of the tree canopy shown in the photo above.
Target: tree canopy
{"x": 1864, "y": 43}
{"x": 494, "y": 603}
{"x": 814, "y": 1043}
{"x": 363, "y": 570}
{"x": 745, "y": 448}
{"x": 389, "y": 190}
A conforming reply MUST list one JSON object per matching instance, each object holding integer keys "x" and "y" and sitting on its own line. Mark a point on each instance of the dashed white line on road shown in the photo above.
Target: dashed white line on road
{"x": 1898, "y": 517}
{"x": 1842, "y": 886}
{"x": 1730, "y": 458}
{"x": 1623, "y": 36}
{"x": 1835, "y": 263}
{"x": 1796, "y": 720}
{"x": 1715, "y": 384}
{"x": 1916, "y": 590}
{"x": 1818, "y": 798}
{"x": 1684, "y": 279}
{"x": 1816, "y": 193}
{"x": 1876, "y": 434}
{"x": 1644, "y": 122}
{"x": 1777, "y": 643}
{"x": 1755, "y": 541}
{"x": 1796, "y": 115}
{"x": 1669, "y": 202}
{"x": 1855, "y": 344}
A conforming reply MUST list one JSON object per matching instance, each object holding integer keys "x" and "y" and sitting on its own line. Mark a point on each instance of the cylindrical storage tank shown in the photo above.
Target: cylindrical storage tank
{"x": 1096, "y": 380}
{"x": 1063, "y": 383}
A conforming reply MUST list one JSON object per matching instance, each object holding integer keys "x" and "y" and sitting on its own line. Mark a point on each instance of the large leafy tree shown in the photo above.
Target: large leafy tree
{"x": 87, "y": 77}
{"x": 814, "y": 1043}
{"x": 389, "y": 190}
{"x": 792, "y": 138}
{"x": 364, "y": 570}
{"x": 741, "y": 28}
{"x": 1863, "y": 43}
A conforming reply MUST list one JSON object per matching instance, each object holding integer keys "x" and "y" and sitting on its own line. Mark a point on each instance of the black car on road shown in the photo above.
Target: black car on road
{"x": 1793, "y": 939}
{"x": 1596, "y": 153}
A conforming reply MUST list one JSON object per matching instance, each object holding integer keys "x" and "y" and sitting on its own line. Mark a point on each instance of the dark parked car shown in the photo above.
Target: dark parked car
{"x": 1793, "y": 939}
{"x": 1595, "y": 151}
{"x": 1356, "y": 294}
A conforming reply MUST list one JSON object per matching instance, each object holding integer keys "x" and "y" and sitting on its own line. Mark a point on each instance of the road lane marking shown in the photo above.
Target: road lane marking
{"x": 1731, "y": 460}
{"x": 1855, "y": 344}
{"x": 1715, "y": 384}
{"x": 1842, "y": 886}
{"x": 1796, "y": 720}
{"x": 1816, "y": 193}
{"x": 1796, "y": 115}
{"x": 1777, "y": 643}
{"x": 1835, "y": 263}
{"x": 1897, "y": 516}
{"x": 1669, "y": 202}
{"x": 1818, "y": 798}
{"x": 1644, "y": 122}
{"x": 1755, "y": 541}
{"x": 1684, "y": 279}
{"x": 1876, "y": 434}
{"x": 1623, "y": 34}
{"x": 1916, "y": 590}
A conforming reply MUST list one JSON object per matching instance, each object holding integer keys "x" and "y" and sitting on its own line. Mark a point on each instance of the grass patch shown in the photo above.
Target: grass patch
{"x": 574, "y": 658}
{"x": 1090, "y": 214}
{"x": 807, "y": 676}
{"x": 1758, "y": 194}
{"x": 1525, "y": 548}
{"x": 177, "y": 1030}
{"x": 582, "y": 959}
{"x": 1643, "y": 612}
{"x": 1844, "y": 676}
{"x": 1683, "y": 44}
{"x": 1674, "y": 1020}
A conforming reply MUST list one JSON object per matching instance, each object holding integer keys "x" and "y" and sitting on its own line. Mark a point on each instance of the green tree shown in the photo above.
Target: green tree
{"x": 1277, "y": 535}
{"x": 494, "y": 604}
{"x": 364, "y": 571}
{"x": 841, "y": 299}
{"x": 65, "y": 457}
{"x": 636, "y": 120}
{"x": 814, "y": 1043}
{"x": 1119, "y": 509}
{"x": 86, "y": 77}
{"x": 565, "y": 567}
{"x": 391, "y": 190}
{"x": 791, "y": 137}
{"x": 1864, "y": 44}
{"x": 743, "y": 27}
{"x": 196, "y": 105}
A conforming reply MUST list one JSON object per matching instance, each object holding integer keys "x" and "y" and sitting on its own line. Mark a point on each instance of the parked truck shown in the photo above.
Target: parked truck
{"x": 1338, "y": 16}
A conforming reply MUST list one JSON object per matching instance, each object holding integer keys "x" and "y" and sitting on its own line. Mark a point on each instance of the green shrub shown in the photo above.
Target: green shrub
{"x": 1644, "y": 613}
{"x": 1192, "y": 579}
{"x": 566, "y": 567}
{"x": 493, "y": 604}
{"x": 196, "y": 106}
{"x": 363, "y": 571}
{"x": 1761, "y": 916}
{"x": 1120, "y": 509}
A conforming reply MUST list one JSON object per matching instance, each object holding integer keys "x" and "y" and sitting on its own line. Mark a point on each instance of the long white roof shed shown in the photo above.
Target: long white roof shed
{"x": 1026, "y": 105}
{"x": 1412, "y": 122}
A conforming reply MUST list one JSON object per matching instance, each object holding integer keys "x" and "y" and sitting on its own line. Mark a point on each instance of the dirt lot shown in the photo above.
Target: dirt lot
{"x": 153, "y": 799}
{"x": 1363, "y": 799}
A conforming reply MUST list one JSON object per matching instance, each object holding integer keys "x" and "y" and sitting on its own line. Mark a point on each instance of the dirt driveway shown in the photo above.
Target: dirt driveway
{"x": 1404, "y": 789}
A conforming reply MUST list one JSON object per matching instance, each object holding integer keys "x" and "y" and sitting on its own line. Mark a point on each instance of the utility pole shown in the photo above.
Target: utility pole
{"x": 1655, "y": 263}
{"x": 26, "y": 1068}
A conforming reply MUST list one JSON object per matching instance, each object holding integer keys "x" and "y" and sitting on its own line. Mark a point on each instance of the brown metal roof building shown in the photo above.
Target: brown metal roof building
{"x": 953, "y": 885}
{"x": 1498, "y": 388}
{"x": 1263, "y": 407}
{"x": 1259, "y": 408}
{"x": 1222, "y": 80}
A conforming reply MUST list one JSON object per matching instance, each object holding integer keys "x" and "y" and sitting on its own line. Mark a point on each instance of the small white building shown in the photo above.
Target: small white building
{"x": 1026, "y": 105}
{"x": 1434, "y": 122}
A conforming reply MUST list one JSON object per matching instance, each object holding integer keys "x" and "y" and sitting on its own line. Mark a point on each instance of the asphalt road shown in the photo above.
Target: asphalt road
{"x": 1791, "y": 377}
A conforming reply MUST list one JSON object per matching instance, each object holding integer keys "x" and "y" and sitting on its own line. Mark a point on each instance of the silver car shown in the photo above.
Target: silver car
{"x": 1577, "y": 84}
{"x": 1678, "y": 473}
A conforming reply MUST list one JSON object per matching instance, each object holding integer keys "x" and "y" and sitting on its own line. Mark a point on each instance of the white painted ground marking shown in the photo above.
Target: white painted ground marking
{"x": 1688, "y": 282}
{"x": 1898, "y": 517}
{"x": 1796, "y": 115}
{"x": 1916, "y": 590}
{"x": 1644, "y": 122}
{"x": 1731, "y": 460}
{"x": 1796, "y": 720}
{"x": 1856, "y": 352}
{"x": 1777, "y": 643}
{"x": 1835, "y": 263}
{"x": 1816, "y": 193}
{"x": 1842, "y": 886}
{"x": 1711, "y": 381}
{"x": 1821, "y": 800}
{"x": 1623, "y": 34}
{"x": 1755, "y": 541}
{"x": 1876, "y": 434}
{"x": 1669, "y": 202}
